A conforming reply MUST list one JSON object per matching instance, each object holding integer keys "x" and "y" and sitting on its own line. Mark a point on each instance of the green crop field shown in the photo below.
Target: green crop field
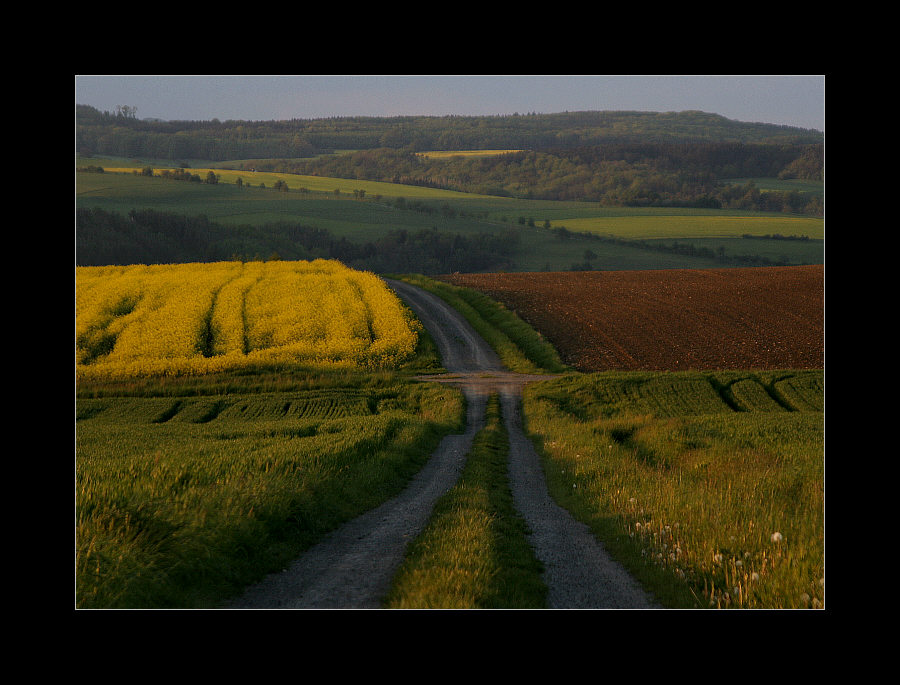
{"x": 226, "y": 203}
{"x": 695, "y": 225}
{"x": 708, "y": 486}
{"x": 184, "y": 498}
{"x": 804, "y": 187}
{"x": 317, "y": 184}
{"x": 338, "y": 206}
{"x": 464, "y": 153}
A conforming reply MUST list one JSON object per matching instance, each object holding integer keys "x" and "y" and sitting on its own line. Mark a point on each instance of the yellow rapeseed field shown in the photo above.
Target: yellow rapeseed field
{"x": 199, "y": 318}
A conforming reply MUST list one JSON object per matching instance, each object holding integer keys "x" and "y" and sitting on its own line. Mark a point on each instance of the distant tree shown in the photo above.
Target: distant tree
{"x": 126, "y": 112}
{"x": 211, "y": 177}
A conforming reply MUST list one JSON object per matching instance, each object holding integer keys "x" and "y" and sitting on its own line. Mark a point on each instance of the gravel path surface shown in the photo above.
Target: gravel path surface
{"x": 353, "y": 567}
{"x": 578, "y": 572}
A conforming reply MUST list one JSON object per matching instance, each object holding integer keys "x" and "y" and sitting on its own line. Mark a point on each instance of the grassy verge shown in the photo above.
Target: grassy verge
{"x": 708, "y": 487}
{"x": 473, "y": 554}
{"x": 188, "y": 490}
{"x": 519, "y": 346}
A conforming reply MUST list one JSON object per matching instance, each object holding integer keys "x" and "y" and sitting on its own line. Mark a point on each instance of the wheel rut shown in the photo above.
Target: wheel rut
{"x": 353, "y": 567}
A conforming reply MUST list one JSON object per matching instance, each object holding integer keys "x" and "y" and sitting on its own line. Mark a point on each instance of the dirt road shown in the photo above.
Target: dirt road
{"x": 353, "y": 567}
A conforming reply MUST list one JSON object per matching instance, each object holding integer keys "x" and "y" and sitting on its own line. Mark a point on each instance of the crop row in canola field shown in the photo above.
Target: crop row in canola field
{"x": 201, "y": 318}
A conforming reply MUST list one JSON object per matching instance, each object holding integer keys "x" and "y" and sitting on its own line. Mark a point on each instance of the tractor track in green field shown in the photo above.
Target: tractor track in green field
{"x": 354, "y": 566}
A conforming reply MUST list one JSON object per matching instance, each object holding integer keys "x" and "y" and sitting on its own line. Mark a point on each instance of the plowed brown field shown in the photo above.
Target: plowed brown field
{"x": 753, "y": 318}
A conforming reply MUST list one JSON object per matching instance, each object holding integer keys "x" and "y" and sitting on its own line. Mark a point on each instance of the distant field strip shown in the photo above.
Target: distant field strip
{"x": 681, "y": 227}
{"x": 320, "y": 184}
{"x": 200, "y": 318}
{"x": 442, "y": 154}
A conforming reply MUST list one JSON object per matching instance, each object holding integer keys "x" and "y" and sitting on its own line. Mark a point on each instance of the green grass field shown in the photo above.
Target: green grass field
{"x": 342, "y": 213}
{"x": 808, "y": 188}
{"x": 709, "y": 487}
{"x": 683, "y": 226}
{"x": 186, "y": 494}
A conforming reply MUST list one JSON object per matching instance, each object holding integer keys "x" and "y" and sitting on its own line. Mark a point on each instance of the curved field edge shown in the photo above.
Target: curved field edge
{"x": 708, "y": 504}
{"x": 183, "y": 500}
{"x": 141, "y": 320}
{"x": 521, "y": 348}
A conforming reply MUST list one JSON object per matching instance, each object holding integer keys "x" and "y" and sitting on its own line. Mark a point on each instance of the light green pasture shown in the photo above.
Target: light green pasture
{"x": 442, "y": 154}
{"x": 345, "y": 215}
{"x": 319, "y": 184}
{"x": 648, "y": 227}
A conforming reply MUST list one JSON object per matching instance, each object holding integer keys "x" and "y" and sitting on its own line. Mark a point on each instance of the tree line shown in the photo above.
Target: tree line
{"x": 684, "y": 159}
{"x": 153, "y": 237}
{"x": 626, "y": 174}
{"x": 420, "y": 133}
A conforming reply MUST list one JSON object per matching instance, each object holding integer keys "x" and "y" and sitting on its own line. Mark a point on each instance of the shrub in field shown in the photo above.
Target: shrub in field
{"x": 711, "y": 504}
{"x": 201, "y": 318}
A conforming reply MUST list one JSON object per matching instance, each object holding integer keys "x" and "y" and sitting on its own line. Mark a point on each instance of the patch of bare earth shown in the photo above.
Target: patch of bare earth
{"x": 744, "y": 318}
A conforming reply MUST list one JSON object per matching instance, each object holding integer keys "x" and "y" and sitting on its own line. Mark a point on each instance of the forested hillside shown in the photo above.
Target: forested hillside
{"x": 684, "y": 159}
{"x": 617, "y": 174}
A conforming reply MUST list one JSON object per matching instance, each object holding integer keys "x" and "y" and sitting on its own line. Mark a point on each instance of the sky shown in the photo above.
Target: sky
{"x": 793, "y": 100}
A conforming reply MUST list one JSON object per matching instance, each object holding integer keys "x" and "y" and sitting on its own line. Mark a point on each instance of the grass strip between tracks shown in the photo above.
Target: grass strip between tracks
{"x": 474, "y": 553}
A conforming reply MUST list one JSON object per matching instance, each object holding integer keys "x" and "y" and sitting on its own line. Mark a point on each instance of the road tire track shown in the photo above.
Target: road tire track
{"x": 354, "y": 566}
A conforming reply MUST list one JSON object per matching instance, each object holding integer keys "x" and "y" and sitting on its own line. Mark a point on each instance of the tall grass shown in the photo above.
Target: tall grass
{"x": 184, "y": 499}
{"x": 711, "y": 505}
{"x": 474, "y": 553}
